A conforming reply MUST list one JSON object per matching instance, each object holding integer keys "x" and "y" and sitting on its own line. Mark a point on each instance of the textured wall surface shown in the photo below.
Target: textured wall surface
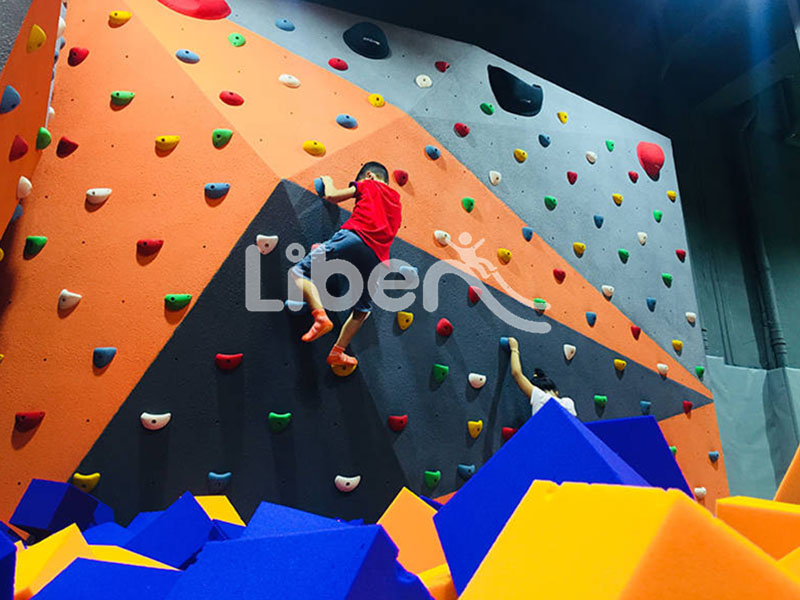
{"x": 13, "y": 12}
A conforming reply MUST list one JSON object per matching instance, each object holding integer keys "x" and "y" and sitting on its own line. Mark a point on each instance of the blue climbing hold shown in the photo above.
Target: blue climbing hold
{"x": 408, "y": 271}
{"x": 102, "y": 356}
{"x": 62, "y": 42}
{"x": 504, "y": 343}
{"x": 465, "y": 471}
{"x": 10, "y": 100}
{"x": 645, "y": 406}
{"x": 295, "y": 306}
{"x": 651, "y": 303}
{"x": 368, "y": 40}
{"x": 598, "y": 221}
{"x": 713, "y": 456}
{"x": 319, "y": 187}
{"x": 544, "y": 140}
{"x": 187, "y": 56}
{"x": 432, "y": 152}
{"x": 284, "y": 24}
{"x": 215, "y": 191}
{"x": 17, "y": 212}
{"x": 347, "y": 121}
{"x": 591, "y": 318}
{"x": 527, "y": 233}
{"x": 217, "y": 482}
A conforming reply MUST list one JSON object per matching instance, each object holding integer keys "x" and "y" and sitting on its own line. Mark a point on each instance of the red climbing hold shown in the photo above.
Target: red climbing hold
{"x": 228, "y": 362}
{"x": 401, "y": 177}
{"x": 231, "y": 98}
{"x": 636, "y": 331}
{"x": 681, "y": 254}
{"x": 444, "y": 327}
{"x": 19, "y": 148}
{"x": 461, "y": 129}
{"x": 474, "y": 294}
{"x": 65, "y": 147}
{"x": 687, "y": 406}
{"x": 25, "y": 421}
{"x": 398, "y": 422}
{"x": 559, "y": 274}
{"x": 199, "y": 9}
{"x": 507, "y": 432}
{"x": 338, "y": 64}
{"x": 651, "y": 157}
{"x": 77, "y": 55}
{"x": 572, "y": 177}
{"x": 148, "y": 247}
{"x": 442, "y": 65}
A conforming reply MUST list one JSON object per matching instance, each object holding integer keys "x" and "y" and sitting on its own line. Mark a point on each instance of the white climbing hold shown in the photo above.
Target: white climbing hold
{"x": 442, "y": 237}
{"x": 691, "y": 317}
{"x": 642, "y": 237}
{"x": 24, "y": 187}
{"x": 591, "y": 157}
{"x": 266, "y": 243}
{"x": 62, "y": 26}
{"x": 289, "y": 80}
{"x": 494, "y": 177}
{"x": 608, "y": 291}
{"x": 97, "y": 195}
{"x": 569, "y": 351}
{"x": 346, "y": 484}
{"x": 155, "y": 422}
{"x": 424, "y": 81}
{"x": 477, "y": 380}
{"x": 51, "y": 112}
{"x": 68, "y": 300}
{"x": 662, "y": 369}
{"x": 700, "y": 492}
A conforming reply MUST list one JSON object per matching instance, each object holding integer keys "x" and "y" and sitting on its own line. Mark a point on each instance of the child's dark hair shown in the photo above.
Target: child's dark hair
{"x": 376, "y": 169}
{"x": 543, "y": 382}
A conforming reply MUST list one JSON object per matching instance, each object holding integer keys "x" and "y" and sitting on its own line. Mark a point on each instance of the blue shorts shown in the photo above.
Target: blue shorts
{"x": 347, "y": 246}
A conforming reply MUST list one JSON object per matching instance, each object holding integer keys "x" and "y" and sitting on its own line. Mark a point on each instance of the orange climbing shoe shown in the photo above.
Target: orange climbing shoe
{"x": 337, "y": 358}
{"x": 322, "y": 325}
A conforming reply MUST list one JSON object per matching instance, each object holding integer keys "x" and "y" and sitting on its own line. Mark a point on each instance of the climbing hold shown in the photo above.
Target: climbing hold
{"x": 672, "y": 195}
{"x": 634, "y": 176}
{"x": 34, "y": 245}
{"x": 86, "y": 482}
{"x": 65, "y": 147}
{"x": 544, "y": 140}
{"x": 155, "y": 422}
{"x": 598, "y": 221}
{"x": 231, "y": 98}
{"x": 19, "y": 148}
{"x": 346, "y": 121}
{"x": 346, "y": 484}
{"x": 610, "y": 145}
{"x": 284, "y": 24}
{"x": 572, "y": 177}
{"x": 579, "y": 248}
{"x": 266, "y": 243}
{"x": 25, "y": 421}
{"x": 314, "y": 148}
{"x": 433, "y": 152}
{"x": 687, "y": 406}
{"x": 662, "y": 369}
{"x": 644, "y": 405}
{"x": 624, "y": 255}
{"x": 507, "y": 433}
{"x": 118, "y": 17}
{"x": 674, "y": 450}
{"x": 441, "y": 65}
{"x": 591, "y": 157}
{"x": 77, "y": 55}
{"x": 667, "y": 279}
{"x": 338, "y": 64}
{"x": 677, "y": 345}
{"x": 642, "y": 237}
{"x": 289, "y": 81}
{"x": 600, "y": 401}
{"x": 368, "y": 40}
{"x": 167, "y": 143}
{"x": 681, "y": 254}
{"x": 487, "y": 108}
{"x": 343, "y": 370}
{"x": 102, "y": 356}
{"x": 550, "y": 202}
{"x": 10, "y": 100}
{"x": 279, "y": 421}
{"x": 376, "y": 100}
{"x": 513, "y": 94}
{"x": 218, "y": 482}
{"x": 461, "y": 129}
{"x": 700, "y": 492}
{"x": 520, "y": 155}
{"x": 657, "y": 215}
{"x": 401, "y": 177}
{"x": 504, "y": 343}
{"x": 608, "y": 291}
{"x": 474, "y": 294}
{"x": 691, "y": 317}
{"x": 699, "y": 371}
{"x": 442, "y": 237}
{"x": 319, "y": 187}
{"x": 620, "y": 364}
{"x": 465, "y": 471}
{"x": 24, "y": 187}
{"x": 177, "y": 301}
{"x": 97, "y": 196}
{"x": 651, "y": 157}
{"x": 237, "y": 39}
{"x": 228, "y": 362}
{"x": 504, "y": 255}
{"x": 36, "y": 38}
{"x": 146, "y": 247}
{"x": 440, "y": 372}
{"x": 221, "y": 137}
{"x": 569, "y": 351}
{"x": 397, "y": 422}
{"x": 444, "y": 327}
{"x": 591, "y": 318}
{"x": 215, "y": 191}
{"x": 432, "y": 478}
{"x": 474, "y": 428}
{"x": 636, "y": 331}
{"x": 476, "y": 380}
{"x": 540, "y": 305}
{"x": 494, "y": 177}
{"x": 423, "y": 81}
{"x": 183, "y": 55}
{"x": 43, "y": 138}
{"x": 527, "y": 233}
{"x": 468, "y": 204}
{"x": 562, "y": 116}
{"x": 68, "y": 300}
{"x": 121, "y": 97}
{"x": 651, "y": 303}
{"x": 713, "y": 456}
{"x": 404, "y": 319}
{"x": 2, "y": 256}
{"x": 617, "y": 198}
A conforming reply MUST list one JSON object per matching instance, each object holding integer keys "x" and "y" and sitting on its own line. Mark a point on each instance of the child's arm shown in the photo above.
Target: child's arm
{"x": 334, "y": 195}
{"x": 516, "y": 368}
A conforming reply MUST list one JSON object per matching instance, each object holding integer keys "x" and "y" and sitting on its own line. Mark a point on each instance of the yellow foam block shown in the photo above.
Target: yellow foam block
{"x": 774, "y": 526}
{"x": 115, "y": 554}
{"x": 579, "y": 541}
{"x": 220, "y": 508}
{"x": 789, "y": 489}
{"x": 791, "y": 563}
{"x": 409, "y": 522}
{"x": 439, "y": 583}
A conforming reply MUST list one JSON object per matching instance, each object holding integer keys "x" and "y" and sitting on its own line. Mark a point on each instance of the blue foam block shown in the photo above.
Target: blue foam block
{"x": 431, "y": 502}
{"x": 107, "y": 534}
{"x": 274, "y": 519}
{"x": 552, "y": 445}
{"x": 9, "y": 533}
{"x": 222, "y": 531}
{"x": 640, "y": 443}
{"x": 86, "y": 578}
{"x": 8, "y": 561}
{"x": 142, "y": 520}
{"x": 175, "y": 536}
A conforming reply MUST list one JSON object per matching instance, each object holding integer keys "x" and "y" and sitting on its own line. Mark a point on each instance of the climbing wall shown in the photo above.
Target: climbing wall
{"x": 635, "y": 349}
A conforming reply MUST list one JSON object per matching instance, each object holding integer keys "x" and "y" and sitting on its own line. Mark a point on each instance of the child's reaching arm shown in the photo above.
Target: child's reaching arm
{"x": 334, "y": 195}
{"x": 516, "y": 368}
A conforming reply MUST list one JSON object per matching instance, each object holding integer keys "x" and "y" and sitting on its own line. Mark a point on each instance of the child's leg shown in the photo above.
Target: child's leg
{"x": 322, "y": 324}
{"x": 354, "y": 322}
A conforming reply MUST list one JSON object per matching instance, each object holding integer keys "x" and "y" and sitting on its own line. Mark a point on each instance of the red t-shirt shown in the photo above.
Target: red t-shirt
{"x": 376, "y": 216}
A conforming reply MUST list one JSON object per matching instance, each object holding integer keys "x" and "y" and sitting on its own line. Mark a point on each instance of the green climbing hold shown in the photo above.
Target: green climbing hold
{"x": 674, "y": 450}
{"x": 610, "y": 145}
{"x": 657, "y": 215}
{"x": 550, "y": 202}
{"x": 440, "y": 372}
{"x": 177, "y": 301}
{"x": 667, "y": 278}
{"x": 237, "y": 39}
{"x": 43, "y": 139}
{"x": 700, "y": 371}
{"x": 279, "y": 422}
{"x": 432, "y": 478}
{"x": 624, "y": 255}
{"x": 121, "y": 98}
{"x": 601, "y": 401}
{"x": 221, "y": 137}
{"x": 468, "y": 204}
{"x": 34, "y": 245}
{"x": 487, "y": 108}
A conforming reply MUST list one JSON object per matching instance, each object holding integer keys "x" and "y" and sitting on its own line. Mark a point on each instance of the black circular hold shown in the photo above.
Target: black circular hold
{"x": 368, "y": 40}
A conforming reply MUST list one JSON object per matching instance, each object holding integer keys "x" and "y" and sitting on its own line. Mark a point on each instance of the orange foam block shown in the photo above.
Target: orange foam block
{"x": 791, "y": 563}
{"x": 578, "y": 541}
{"x": 439, "y": 583}
{"x": 789, "y": 489}
{"x": 220, "y": 508}
{"x": 409, "y": 522}
{"x": 774, "y": 526}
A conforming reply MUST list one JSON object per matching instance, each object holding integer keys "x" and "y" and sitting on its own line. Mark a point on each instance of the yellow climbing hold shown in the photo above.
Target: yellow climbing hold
{"x": 2, "y": 254}
{"x": 579, "y": 248}
{"x": 677, "y": 345}
{"x": 672, "y": 195}
{"x": 376, "y": 100}
{"x": 343, "y": 370}
{"x": 620, "y": 364}
{"x": 475, "y": 428}
{"x": 404, "y": 319}
{"x": 520, "y": 155}
{"x": 617, "y": 198}
{"x": 165, "y": 143}
{"x": 562, "y": 116}
{"x": 2, "y": 356}
{"x": 119, "y": 17}
{"x": 86, "y": 482}
{"x": 314, "y": 148}
{"x": 504, "y": 255}
{"x": 36, "y": 38}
